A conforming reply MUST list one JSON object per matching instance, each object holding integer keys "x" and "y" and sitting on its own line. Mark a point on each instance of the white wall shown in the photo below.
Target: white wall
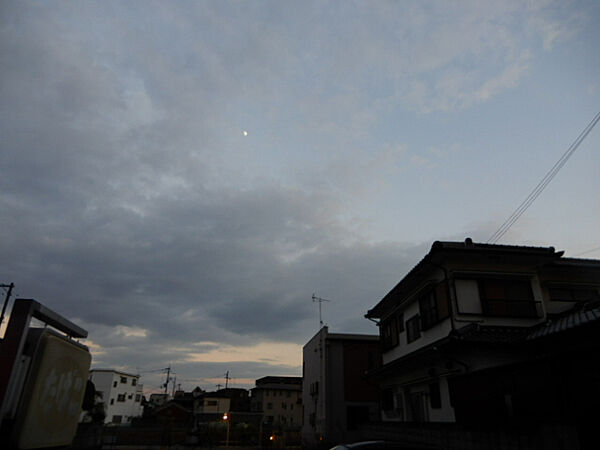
{"x": 429, "y": 336}
{"x": 127, "y": 409}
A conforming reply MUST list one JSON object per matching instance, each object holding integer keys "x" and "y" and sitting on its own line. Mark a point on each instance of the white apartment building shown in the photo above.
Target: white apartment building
{"x": 121, "y": 394}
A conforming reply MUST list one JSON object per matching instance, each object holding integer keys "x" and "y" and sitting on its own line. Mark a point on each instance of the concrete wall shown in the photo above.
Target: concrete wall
{"x": 313, "y": 354}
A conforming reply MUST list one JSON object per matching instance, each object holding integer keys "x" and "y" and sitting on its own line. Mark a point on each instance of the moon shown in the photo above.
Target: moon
{"x": 245, "y": 133}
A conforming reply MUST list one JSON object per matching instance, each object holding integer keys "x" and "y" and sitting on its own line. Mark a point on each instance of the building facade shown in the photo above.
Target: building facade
{"x": 121, "y": 394}
{"x": 336, "y": 395}
{"x": 481, "y": 333}
{"x": 279, "y": 399}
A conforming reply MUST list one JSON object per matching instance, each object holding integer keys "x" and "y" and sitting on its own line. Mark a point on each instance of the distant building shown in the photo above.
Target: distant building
{"x": 337, "y": 397}
{"x": 279, "y": 399}
{"x": 494, "y": 334}
{"x": 157, "y": 399}
{"x": 212, "y": 402}
{"x": 210, "y": 406}
{"x": 121, "y": 394}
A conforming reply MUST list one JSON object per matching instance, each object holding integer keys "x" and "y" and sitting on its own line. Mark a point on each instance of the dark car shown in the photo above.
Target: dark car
{"x": 363, "y": 445}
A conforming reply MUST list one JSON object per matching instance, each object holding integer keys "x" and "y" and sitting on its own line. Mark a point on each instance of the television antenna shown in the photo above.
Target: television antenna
{"x": 320, "y": 300}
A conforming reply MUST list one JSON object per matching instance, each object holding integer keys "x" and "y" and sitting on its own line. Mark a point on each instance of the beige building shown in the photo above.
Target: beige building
{"x": 212, "y": 402}
{"x": 280, "y": 401}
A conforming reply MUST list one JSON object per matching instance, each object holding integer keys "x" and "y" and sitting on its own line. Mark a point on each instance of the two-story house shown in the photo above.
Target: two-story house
{"x": 481, "y": 333}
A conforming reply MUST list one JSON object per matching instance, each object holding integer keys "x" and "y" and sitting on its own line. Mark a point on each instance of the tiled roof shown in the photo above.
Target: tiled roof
{"x": 572, "y": 320}
{"x": 508, "y": 335}
{"x": 491, "y": 334}
{"x": 459, "y": 247}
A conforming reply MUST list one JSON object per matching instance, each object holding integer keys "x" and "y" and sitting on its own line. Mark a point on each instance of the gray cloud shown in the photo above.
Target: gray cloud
{"x": 128, "y": 196}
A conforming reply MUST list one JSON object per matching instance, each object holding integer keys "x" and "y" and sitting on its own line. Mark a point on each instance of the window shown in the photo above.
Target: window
{"x": 211, "y": 403}
{"x": 112, "y": 401}
{"x": 115, "y": 384}
{"x": 283, "y": 405}
{"x": 435, "y": 398}
{"x": 130, "y": 396}
{"x": 138, "y": 397}
{"x": 117, "y": 419}
{"x": 124, "y": 380}
{"x": 507, "y": 297}
{"x": 288, "y": 394}
{"x": 269, "y": 405}
{"x": 428, "y": 310}
{"x": 413, "y": 328}
{"x": 121, "y": 397}
{"x": 133, "y": 381}
{"x": 399, "y": 403}
{"x": 387, "y": 399}
{"x": 573, "y": 294}
{"x": 433, "y": 305}
{"x": 390, "y": 331}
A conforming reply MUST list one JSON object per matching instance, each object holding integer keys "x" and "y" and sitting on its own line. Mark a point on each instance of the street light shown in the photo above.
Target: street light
{"x": 226, "y": 419}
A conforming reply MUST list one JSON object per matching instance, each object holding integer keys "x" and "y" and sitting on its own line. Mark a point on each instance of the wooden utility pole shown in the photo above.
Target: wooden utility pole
{"x": 168, "y": 369}
{"x": 6, "y": 299}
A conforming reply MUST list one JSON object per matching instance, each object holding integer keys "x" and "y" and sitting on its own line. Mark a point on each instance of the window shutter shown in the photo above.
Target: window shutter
{"x": 441, "y": 294}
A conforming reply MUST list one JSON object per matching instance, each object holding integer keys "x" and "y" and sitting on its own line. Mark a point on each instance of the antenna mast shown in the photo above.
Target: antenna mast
{"x": 320, "y": 300}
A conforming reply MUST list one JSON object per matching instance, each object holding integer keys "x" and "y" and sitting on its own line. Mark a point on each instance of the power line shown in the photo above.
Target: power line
{"x": 588, "y": 251}
{"x": 543, "y": 183}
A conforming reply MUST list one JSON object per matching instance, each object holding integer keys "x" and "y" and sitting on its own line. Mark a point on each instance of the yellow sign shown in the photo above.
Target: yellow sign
{"x": 53, "y": 394}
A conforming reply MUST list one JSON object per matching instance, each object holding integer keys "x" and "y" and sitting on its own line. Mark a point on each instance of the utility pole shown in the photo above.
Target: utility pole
{"x": 173, "y": 391}
{"x": 227, "y": 378}
{"x": 320, "y": 300}
{"x": 168, "y": 369}
{"x": 6, "y": 299}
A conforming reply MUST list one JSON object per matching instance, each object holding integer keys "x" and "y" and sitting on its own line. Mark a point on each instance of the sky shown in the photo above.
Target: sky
{"x": 179, "y": 178}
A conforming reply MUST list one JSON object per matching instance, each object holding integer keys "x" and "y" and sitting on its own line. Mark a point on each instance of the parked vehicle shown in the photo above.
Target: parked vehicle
{"x": 363, "y": 445}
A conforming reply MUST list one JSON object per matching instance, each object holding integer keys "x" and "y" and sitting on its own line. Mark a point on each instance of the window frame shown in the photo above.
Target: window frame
{"x": 510, "y": 304}
{"x": 435, "y": 395}
{"x": 428, "y": 309}
{"x": 413, "y": 332}
{"x": 508, "y": 279}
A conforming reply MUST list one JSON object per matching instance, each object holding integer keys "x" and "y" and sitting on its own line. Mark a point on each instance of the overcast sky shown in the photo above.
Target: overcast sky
{"x": 179, "y": 177}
